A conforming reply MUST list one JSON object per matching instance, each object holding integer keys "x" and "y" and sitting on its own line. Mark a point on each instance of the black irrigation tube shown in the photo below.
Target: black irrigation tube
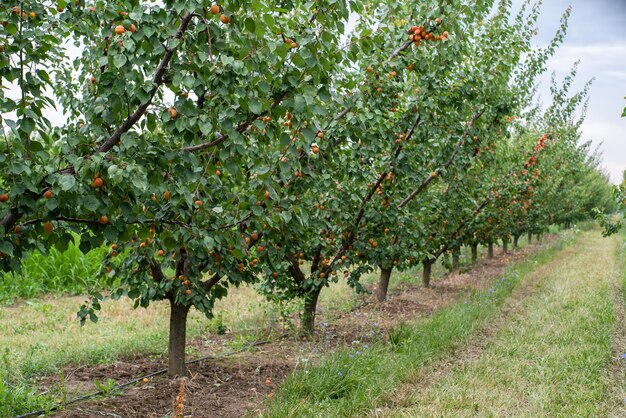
{"x": 157, "y": 373}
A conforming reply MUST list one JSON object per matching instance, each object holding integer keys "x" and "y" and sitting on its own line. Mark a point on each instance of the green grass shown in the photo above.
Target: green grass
{"x": 351, "y": 382}
{"x": 40, "y": 335}
{"x": 549, "y": 358}
{"x": 69, "y": 271}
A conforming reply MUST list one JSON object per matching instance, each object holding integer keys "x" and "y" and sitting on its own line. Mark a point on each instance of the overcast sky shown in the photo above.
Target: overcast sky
{"x": 597, "y": 37}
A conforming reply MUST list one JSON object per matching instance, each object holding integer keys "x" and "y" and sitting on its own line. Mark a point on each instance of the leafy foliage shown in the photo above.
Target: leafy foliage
{"x": 221, "y": 144}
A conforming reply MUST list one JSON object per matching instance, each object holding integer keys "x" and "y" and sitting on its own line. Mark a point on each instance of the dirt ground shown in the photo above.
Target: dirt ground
{"x": 238, "y": 385}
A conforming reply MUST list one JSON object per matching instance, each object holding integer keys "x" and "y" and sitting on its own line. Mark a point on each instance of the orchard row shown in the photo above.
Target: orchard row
{"x": 211, "y": 145}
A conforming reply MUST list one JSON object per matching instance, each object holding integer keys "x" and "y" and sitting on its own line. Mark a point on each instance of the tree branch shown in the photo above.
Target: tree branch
{"x": 447, "y": 164}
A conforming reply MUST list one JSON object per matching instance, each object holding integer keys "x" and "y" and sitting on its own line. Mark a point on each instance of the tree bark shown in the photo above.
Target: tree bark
{"x": 474, "y": 253}
{"x": 530, "y": 237}
{"x": 177, "y": 339}
{"x": 426, "y": 273}
{"x": 455, "y": 259}
{"x": 490, "y": 250}
{"x": 307, "y": 318}
{"x": 505, "y": 246}
{"x": 516, "y": 242}
{"x": 383, "y": 284}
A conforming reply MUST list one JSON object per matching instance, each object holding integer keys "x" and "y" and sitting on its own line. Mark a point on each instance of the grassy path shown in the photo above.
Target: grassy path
{"x": 549, "y": 358}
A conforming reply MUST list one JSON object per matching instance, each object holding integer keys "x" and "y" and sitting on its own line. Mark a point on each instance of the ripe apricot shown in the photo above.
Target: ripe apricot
{"x": 133, "y": 28}
{"x": 199, "y": 203}
{"x": 91, "y": 9}
{"x": 188, "y": 292}
{"x": 218, "y": 173}
{"x": 97, "y": 183}
{"x": 48, "y": 227}
{"x": 167, "y": 195}
{"x": 4, "y": 197}
{"x": 32, "y": 15}
{"x": 160, "y": 253}
{"x": 275, "y": 274}
{"x": 224, "y": 19}
{"x": 315, "y": 149}
{"x": 119, "y": 29}
{"x": 294, "y": 45}
{"x": 145, "y": 380}
{"x": 48, "y": 194}
{"x": 215, "y": 9}
{"x": 173, "y": 112}
{"x": 320, "y": 135}
{"x": 104, "y": 219}
{"x": 254, "y": 236}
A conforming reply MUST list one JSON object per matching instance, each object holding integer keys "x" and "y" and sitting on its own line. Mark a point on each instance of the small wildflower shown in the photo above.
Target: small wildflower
{"x": 623, "y": 356}
{"x": 366, "y": 346}
{"x": 340, "y": 374}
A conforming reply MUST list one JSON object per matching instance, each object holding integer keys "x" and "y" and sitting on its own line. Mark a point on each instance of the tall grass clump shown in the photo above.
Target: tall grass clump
{"x": 70, "y": 271}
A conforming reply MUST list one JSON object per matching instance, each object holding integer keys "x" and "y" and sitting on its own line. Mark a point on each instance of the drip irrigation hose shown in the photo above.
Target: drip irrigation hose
{"x": 157, "y": 373}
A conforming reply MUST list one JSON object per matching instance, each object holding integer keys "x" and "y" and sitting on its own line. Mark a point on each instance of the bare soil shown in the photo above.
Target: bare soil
{"x": 238, "y": 385}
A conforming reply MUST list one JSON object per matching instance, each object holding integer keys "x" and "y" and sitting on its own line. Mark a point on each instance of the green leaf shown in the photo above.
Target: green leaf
{"x": 250, "y": 25}
{"x": 119, "y": 60}
{"x": 6, "y": 247}
{"x": 67, "y": 182}
{"x": 91, "y": 203}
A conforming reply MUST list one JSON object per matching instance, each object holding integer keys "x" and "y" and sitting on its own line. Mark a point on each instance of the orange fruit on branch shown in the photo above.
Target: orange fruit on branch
{"x": 48, "y": 227}
{"x": 97, "y": 183}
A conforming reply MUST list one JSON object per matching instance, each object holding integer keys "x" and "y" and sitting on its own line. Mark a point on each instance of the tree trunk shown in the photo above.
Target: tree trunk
{"x": 177, "y": 340}
{"x": 490, "y": 250}
{"x": 428, "y": 264}
{"x": 455, "y": 259}
{"x": 383, "y": 284}
{"x": 516, "y": 242}
{"x": 474, "y": 253}
{"x": 307, "y": 318}
{"x": 505, "y": 246}
{"x": 530, "y": 237}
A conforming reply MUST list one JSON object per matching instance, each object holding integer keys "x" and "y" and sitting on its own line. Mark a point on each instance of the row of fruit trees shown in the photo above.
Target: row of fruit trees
{"x": 285, "y": 144}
